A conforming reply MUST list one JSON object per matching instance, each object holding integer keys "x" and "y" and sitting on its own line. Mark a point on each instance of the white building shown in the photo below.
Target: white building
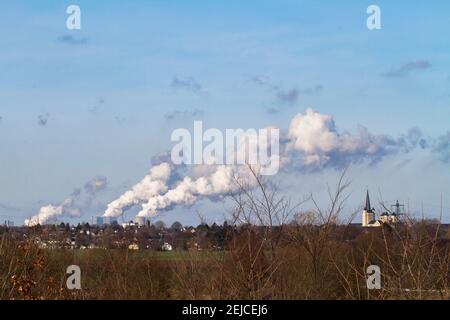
{"x": 166, "y": 247}
{"x": 369, "y": 215}
{"x": 129, "y": 224}
{"x": 133, "y": 246}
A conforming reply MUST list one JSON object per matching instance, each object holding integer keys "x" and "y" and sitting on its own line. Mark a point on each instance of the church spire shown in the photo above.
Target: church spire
{"x": 368, "y": 207}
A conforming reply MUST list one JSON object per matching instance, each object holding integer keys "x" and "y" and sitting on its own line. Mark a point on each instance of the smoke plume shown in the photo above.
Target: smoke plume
{"x": 220, "y": 181}
{"x": 51, "y": 212}
{"x": 71, "y": 206}
{"x": 153, "y": 184}
{"x": 312, "y": 142}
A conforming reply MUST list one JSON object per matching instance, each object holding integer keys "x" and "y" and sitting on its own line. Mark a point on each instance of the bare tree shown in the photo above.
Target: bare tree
{"x": 314, "y": 230}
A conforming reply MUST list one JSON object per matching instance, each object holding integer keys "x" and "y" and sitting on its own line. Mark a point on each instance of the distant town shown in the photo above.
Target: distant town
{"x": 112, "y": 235}
{"x": 108, "y": 233}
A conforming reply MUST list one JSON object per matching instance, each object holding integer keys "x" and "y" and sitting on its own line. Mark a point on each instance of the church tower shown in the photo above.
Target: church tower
{"x": 368, "y": 215}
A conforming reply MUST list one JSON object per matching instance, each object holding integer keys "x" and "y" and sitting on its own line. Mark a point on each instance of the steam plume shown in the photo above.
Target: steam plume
{"x": 70, "y": 206}
{"x": 219, "y": 182}
{"x": 312, "y": 142}
{"x": 153, "y": 184}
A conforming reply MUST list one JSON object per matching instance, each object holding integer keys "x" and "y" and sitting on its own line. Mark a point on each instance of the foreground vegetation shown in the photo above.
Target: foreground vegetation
{"x": 270, "y": 250}
{"x": 304, "y": 264}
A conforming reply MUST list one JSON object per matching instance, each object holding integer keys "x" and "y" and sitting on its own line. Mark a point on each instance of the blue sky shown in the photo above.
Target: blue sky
{"x": 104, "y": 92}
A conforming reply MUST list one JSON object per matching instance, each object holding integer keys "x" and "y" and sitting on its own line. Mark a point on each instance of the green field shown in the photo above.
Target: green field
{"x": 175, "y": 255}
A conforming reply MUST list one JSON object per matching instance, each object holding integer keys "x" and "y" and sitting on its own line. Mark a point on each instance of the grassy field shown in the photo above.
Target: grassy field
{"x": 175, "y": 255}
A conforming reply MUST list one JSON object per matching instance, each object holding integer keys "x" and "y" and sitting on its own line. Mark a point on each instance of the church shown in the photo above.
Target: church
{"x": 369, "y": 218}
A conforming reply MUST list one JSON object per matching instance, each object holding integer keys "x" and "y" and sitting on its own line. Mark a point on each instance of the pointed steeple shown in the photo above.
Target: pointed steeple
{"x": 368, "y": 207}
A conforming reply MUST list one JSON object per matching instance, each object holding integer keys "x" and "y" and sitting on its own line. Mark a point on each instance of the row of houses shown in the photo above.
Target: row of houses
{"x": 128, "y": 235}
